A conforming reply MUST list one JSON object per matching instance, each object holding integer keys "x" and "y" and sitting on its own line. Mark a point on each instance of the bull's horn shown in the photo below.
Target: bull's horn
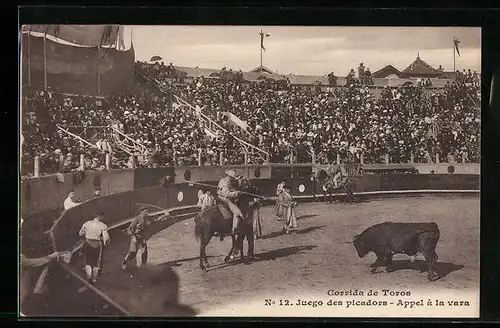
{"x": 354, "y": 238}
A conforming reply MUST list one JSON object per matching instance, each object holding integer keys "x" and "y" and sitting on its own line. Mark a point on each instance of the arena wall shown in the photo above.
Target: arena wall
{"x": 121, "y": 206}
{"x": 47, "y": 193}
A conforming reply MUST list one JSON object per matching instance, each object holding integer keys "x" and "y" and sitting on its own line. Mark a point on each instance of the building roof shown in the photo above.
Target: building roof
{"x": 262, "y": 69}
{"x": 196, "y": 71}
{"x": 386, "y": 71}
{"x": 307, "y": 79}
{"x": 420, "y": 68}
{"x": 447, "y": 75}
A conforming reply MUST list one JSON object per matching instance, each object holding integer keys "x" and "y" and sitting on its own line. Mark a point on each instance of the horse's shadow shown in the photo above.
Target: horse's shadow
{"x": 282, "y": 252}
{"x": 301, "y": 231}
{"x": 178, "y": 263}
{"x": 441, "y": 268}
{"x": 272, "y": 234}
{"x": 309, "y": 229}
{"x": 267, "y": 256}
{"x": 306, "y": 216}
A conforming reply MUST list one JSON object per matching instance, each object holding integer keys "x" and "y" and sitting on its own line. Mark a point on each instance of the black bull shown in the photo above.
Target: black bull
{"x": 211, "y": 221}
{"x": 389, "y": 238}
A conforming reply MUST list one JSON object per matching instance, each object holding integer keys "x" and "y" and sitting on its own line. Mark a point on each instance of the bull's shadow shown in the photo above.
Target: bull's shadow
{"x": 441, "y": 268}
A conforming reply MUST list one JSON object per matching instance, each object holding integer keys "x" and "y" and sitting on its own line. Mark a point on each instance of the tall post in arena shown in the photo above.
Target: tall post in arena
{"x": 82, "y": 162}
{"x": 455, "y": 48}
{"x": 454, "y": 54}
{"x": 45, "y": 57}
{"x": 98, "y": 70}
{"x": 28, "y": 52}
{"x": 36, "y": 167}
{"x": 245, "y": 153}
{"x": 262, "y": 36}
{"x": 108, "y": 161}
{"x": 61, "y": 162}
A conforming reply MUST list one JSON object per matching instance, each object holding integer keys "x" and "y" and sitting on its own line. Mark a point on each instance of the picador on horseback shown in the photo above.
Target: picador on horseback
{"x": 235, "y": 215}
{"x": 335, "y": 179}
{"x": 227, "y": 192}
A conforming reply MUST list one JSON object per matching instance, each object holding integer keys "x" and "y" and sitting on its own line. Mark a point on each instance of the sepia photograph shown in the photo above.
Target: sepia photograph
{"x": 249, "y": 171}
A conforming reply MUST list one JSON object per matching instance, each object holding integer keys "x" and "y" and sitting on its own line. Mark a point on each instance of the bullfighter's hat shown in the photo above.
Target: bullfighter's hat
{"x": 232, "y": 174}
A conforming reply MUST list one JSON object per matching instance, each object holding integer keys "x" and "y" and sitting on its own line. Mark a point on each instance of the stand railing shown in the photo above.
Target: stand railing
{"x": 212, "y": 126}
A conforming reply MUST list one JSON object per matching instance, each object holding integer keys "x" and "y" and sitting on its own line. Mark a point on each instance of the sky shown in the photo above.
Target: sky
{"x": 308, "y": 50}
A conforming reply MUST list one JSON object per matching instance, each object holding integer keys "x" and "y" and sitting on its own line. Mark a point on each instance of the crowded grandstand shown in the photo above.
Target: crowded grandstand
{"x": 266, "y": 118}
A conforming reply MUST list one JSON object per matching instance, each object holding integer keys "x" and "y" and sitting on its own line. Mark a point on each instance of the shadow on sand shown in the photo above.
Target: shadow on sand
{"x": 267, "y": 256}
{"x": 309, "y": 229}
{"x": 306, "y": 216}
{"x": 300, "y": 231}
{"x": 442, "y": 269}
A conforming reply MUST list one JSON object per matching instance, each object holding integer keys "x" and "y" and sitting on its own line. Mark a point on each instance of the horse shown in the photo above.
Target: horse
{"x": 248, "y": 207}
{"x": 219, "y": 219}
{"x": 344, "y": 182}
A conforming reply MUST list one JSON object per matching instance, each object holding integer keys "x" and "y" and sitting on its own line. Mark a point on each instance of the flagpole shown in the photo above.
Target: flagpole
{"x": 98, "y": 70}
{"x": 261, "y": 40}
{"x": 454, "y": 55}
{"x": 45, "y": 57}
{"x": 29, "y": 56}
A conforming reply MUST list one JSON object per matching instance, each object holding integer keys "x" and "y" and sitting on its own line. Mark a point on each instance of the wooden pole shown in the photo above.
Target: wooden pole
{"x": 221, "y": 158}
{"x": 199, "y": 157}
{"x": 45, "y": 58}
{"x": 98, "y": 70}
{"x": 61, "y": 162}
{"x": 36, "y": 167}
{"x": 386, "y": 158}
{"x": 108, "y": 161}
{"x": 338, "y": 159}
{"x": 412, "y": 158}
{"x": 131, "y": 160}
{"x": 437, "y": 158}
{"x": 82, "y": 162}
{"x": 362, "y": 158}
{"x": 261, "y": 40}
{"x": 454, "y": 55}
{"x": 29, "y": 56}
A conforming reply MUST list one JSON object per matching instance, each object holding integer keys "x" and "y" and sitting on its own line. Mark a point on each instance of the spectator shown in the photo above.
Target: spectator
{"x": 69, "y": 201}
{"x": 281, "y": 118}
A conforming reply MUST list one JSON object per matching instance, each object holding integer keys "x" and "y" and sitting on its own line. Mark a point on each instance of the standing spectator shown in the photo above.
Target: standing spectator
{"x": 69, "y": 202}
{"x": 97, "y": 193}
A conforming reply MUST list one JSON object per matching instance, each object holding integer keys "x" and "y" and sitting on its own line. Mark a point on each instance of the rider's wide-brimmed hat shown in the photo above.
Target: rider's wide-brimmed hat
{"x": 232, "y": 174}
